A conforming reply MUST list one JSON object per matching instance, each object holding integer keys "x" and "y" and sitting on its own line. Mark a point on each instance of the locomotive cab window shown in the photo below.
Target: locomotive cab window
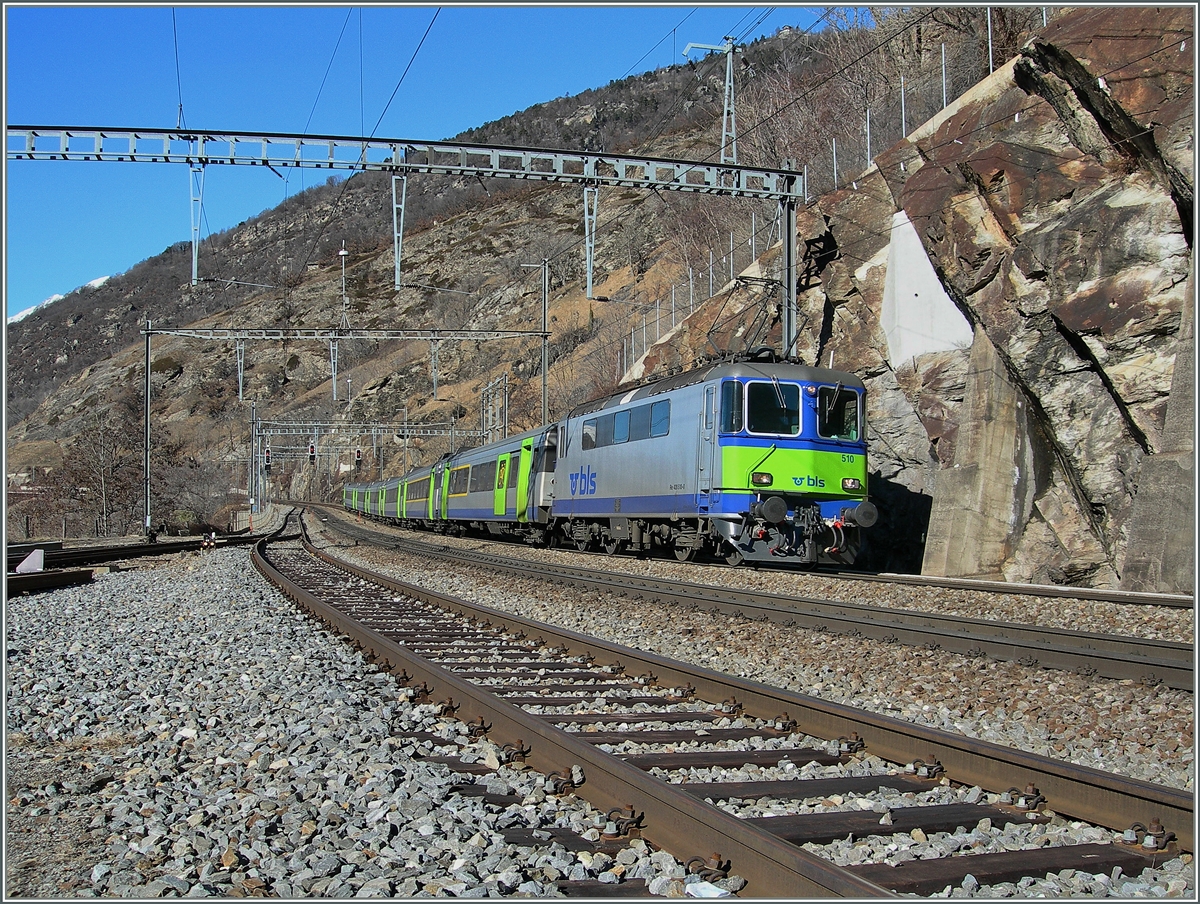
{"x": 837, "y": 412}
{"x": 731, "y": 406}
{"x": 773, "y": 408}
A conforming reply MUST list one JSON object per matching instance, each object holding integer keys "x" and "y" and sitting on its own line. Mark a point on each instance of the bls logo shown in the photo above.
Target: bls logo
{"x": 583, "y": 482}
{"x": 808, "y": 481}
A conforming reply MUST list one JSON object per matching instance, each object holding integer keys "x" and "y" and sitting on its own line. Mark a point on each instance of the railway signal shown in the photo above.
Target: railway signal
{"x": 267, "y": 459}
{"x": 312, "y": 453}
{"x": 358, "y": 459}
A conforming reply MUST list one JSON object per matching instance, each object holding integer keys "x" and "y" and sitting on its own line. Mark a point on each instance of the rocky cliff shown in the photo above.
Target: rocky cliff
{"x": 1014, "y": 282}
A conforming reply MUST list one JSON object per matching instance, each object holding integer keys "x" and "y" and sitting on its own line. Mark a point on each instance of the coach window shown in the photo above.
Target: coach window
{"x": 660, "y": 418}
{"x": 837, "y": 412}
{"x": 731, "y": 406}
{"x": 773, "y": 408}
{"x": 483, "y": 476}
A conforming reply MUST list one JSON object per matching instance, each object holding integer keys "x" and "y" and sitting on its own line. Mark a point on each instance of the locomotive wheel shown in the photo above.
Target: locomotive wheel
{"x": 583, "y": 543}
{"x": 612, "y": 546}
{"x": 685, "y": 545}
{"x": 735, "y": 557}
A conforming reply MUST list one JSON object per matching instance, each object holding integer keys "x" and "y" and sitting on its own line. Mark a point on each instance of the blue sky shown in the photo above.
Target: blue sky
{"x": 252, "y": 69}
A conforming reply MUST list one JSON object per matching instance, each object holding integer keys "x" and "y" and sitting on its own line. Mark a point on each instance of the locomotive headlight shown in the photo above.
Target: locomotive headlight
{"x": 810, "y": 389}
{"x": 761, "y": 479}
{"x": 851, "y": 484}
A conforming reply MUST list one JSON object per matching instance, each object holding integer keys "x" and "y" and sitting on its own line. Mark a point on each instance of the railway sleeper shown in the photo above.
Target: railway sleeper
{"x": 927, "y": 877}
{"x": 825, "y": 828}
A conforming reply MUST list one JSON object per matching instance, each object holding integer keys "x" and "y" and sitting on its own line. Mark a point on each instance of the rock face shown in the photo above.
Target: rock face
{"x": 1013, "y": 282}
{"x": 1050, "y": 361}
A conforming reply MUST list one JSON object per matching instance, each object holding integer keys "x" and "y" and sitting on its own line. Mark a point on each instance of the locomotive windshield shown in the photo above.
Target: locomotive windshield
{"x": 837, "y": 412}
{"x": 773, "y": 408}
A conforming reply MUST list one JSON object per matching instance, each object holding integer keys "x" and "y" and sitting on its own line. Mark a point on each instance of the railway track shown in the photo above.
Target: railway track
{"x": 36, "y": 582}
{"x": 610, "y": 723}
{"x": 58, "y": 556}
{"x": 1145, "y": 660}
{"x": 68, "y": 566}
{"x": 1124, "y": 597}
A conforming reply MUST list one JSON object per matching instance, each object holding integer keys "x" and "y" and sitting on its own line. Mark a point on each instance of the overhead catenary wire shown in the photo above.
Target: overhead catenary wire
{"x": 333, "y": 208}
{"x": 324, "y": 78}
{"x": 411, "y": 60}
{"x": 656, "y": 46}
{"x": 362, "y": 114}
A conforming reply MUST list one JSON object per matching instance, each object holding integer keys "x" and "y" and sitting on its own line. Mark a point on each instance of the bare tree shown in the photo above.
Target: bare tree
{"x": 101, "y": 475}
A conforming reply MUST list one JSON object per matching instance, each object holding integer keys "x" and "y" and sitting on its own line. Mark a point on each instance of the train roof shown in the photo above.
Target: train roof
{"x": 780, "y": 370}
{"x": 512, "y": 441}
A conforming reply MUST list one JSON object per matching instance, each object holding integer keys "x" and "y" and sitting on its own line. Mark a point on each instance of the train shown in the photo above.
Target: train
{"x": 749, "y": 461}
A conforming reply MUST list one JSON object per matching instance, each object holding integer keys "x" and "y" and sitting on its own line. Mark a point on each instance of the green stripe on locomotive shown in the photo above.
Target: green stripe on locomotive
{"x": 814, "y": 473}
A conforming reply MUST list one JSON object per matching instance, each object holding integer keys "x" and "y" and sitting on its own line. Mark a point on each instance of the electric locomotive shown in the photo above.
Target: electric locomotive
{"x": 750, "y": 461}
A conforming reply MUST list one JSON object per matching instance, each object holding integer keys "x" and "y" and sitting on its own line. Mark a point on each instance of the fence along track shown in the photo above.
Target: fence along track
{"x": 678, "y": 822}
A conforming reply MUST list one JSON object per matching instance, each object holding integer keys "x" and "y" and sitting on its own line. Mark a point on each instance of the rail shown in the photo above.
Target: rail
{"x": 1109, "y": 656}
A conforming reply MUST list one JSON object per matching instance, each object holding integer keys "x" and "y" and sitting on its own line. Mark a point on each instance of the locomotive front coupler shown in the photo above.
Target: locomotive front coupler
{"x": 768, "y": 520}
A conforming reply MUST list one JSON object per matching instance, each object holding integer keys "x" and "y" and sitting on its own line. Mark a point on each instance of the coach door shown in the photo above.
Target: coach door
{"x": 706, "y": 447}
{"x": 435, "y": 492}
{"x": 500, "y": 495}
{"x": 526, "y": 467}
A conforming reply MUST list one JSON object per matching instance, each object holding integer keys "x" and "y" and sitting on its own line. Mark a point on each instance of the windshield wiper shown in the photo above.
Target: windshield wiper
{"x": 779, "y": 393}
{"x": 837, "y": 390}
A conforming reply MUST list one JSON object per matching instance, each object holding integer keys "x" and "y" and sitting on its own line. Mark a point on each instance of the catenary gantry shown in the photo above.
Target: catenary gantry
{"x": 274, "y": 149}
{"x": 199, "y": 148}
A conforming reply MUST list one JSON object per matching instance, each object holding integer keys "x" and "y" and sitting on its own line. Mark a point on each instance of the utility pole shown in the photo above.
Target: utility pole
{"x": 146, "y": 437}
{"x": 729, "y": 121}
{"x": 545, "y": 265}
{"x": 252, "y": 479}
{"x": 345, "y": 324}
{"x": 545, "y": 338}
